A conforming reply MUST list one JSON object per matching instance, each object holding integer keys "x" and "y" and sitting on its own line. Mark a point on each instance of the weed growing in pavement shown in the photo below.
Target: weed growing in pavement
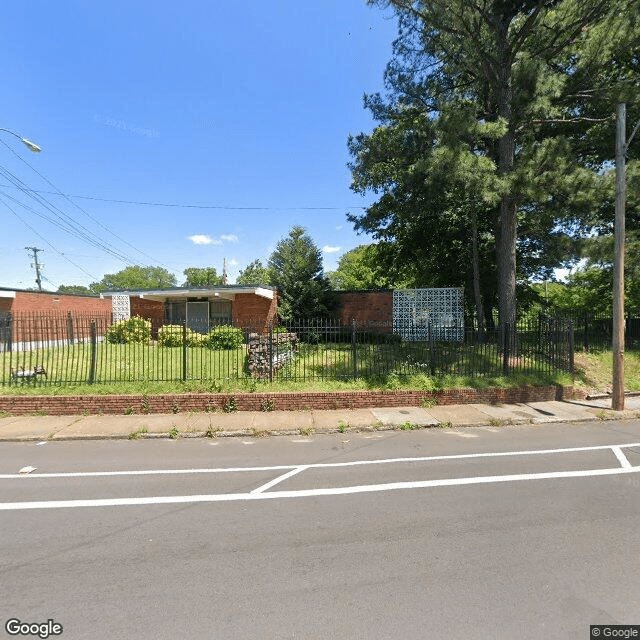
{"x": 343, "y": 426}
{"x": 134, "y": 435}
{"x": 145, "y": 404}
{"x": 175, "y": 407}
{"x": 445, "y": 425}
{"x": 40, "y": 412}
{"x": 5, "y": 414}
{"x": 174, "y": 433}
{"x": 427, "y": 403}
{"x": 408, "y": 426}
{"x": 129, "y": 411}
{"x": 497, "y": 422}
{"x": 306, "y": 431}
{"x": 230, "y": 405}
{"x": 260, "y": 433}
{"x": 267, "y": 405}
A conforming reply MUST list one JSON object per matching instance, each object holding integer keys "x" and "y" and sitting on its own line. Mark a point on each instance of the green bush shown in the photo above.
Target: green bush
{"x": 224, "y": 337}
{"x": 170, "y": 335}
{"x": 280, "y": 329}
{"x": 135, "y": 329}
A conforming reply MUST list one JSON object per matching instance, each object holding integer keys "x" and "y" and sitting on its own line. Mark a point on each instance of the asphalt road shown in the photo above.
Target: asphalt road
{"x": 438, "y": 533}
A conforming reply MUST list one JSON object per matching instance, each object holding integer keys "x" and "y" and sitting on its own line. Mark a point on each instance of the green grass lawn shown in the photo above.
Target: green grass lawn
{"x": 133, "y": 368}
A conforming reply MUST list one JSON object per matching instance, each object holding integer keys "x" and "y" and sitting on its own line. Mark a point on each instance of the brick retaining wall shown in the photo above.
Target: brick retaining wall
{"x": 172, "y": 403}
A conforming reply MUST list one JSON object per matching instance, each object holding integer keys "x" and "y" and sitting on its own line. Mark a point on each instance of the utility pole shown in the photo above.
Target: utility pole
{"x": 36, "y": 265}
{"x": 617, "y": 398}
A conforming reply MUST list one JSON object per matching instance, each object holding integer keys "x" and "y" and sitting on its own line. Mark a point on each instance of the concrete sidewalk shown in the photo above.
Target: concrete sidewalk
{"x": 259, "y": 424}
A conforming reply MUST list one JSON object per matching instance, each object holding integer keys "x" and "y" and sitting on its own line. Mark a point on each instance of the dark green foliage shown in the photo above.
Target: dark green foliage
{"x": 224, "y": 337}
{"x": 296, "y": 269}
{"x": 201, "y": 277}
{"x": 133, "y": 330}
{"x": 135, "y": 278}
{"x": 254, "y": 274}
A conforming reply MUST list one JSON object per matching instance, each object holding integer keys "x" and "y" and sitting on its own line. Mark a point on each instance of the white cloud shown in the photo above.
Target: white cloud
{"x": 328, "y": 249}
{"x": 233, "y": 262}
{"x": 339, "y": 227}
{"x": 229, "y": 237}
{"x": 202, "y": 239}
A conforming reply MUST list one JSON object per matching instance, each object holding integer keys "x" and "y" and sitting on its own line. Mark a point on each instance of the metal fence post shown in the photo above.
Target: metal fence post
{"x": 270, "y": 350}
{"x": 94, "y": 352}
{"x": 432, "y": 354}
{"x": 571, "y": 348}
{"x": 184, "y": 350}
{"x": 354, "y": 348}
{"x": 506, "y": 330}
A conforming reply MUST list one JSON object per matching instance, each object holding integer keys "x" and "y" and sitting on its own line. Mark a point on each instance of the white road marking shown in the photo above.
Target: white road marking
{"x": 462, "y": 435}
{"x": 279, "y": 479}
{"x": 621, "y": 457}
{"x": 319, "y": 465}
{"x": 305, "y": 493}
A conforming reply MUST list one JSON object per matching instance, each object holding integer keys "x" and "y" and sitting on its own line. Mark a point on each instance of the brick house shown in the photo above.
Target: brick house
{"x": 248, "y": 307}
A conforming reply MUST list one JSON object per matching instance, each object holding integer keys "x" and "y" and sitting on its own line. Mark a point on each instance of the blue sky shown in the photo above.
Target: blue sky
{"x": 242, "y": 109}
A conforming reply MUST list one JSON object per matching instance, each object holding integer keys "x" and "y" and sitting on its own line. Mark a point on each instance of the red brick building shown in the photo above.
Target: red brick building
{"x": 250, "y": 308}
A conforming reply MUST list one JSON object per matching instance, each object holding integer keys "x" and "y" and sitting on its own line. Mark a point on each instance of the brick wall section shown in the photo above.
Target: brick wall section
{"x": 41, "y": 316}
{"x": 5, "y": 304}
{"x": 372, "y": 309}
{"x": 32, "y": 302}
{"x": 76, "y": 405}
{"x": 253, "y": 313}
{"x": 150, "y": 309}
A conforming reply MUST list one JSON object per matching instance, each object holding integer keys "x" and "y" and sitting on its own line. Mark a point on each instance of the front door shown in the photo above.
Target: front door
{"x": 198, "y": 316}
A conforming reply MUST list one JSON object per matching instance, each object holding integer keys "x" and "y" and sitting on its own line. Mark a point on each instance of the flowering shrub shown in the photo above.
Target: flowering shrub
{"x": 224, "y": 337}
{"x": 134, "y": 329}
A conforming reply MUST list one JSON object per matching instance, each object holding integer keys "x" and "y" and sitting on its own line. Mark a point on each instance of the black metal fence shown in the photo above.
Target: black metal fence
{"x": 43, "y": 349}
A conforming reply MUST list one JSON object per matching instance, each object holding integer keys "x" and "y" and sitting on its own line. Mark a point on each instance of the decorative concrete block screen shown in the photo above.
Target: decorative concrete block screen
{"x": 121, "y": 306}
{"x": 415, "y": 310}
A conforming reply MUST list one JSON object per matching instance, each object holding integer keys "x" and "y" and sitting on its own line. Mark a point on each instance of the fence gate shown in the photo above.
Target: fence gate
{"x": 414, "y": 310}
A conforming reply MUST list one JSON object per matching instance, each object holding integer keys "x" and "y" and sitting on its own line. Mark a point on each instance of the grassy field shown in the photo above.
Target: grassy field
{"x": 131, "y": 368}
{"x": 594, "y": 371}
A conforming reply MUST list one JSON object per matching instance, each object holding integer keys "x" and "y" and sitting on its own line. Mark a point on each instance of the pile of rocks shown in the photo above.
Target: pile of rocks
{"x": 268, "y": 353}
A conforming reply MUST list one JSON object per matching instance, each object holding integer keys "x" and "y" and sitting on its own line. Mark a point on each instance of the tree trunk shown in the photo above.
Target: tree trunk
{"x": 506, "y": 232}
{"x": 476, "y": 273}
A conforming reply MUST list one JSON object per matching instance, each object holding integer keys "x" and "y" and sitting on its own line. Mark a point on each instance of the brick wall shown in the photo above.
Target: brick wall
{"x": 373, "y": 309}
{"x": 150, "y": 309}
{"x": 5, "y": 304}
{"x": 254, "y": 312}
{"x": 45, "y": 302}
{"x": 167, "y": 403}
{"x": 45, "y": 316}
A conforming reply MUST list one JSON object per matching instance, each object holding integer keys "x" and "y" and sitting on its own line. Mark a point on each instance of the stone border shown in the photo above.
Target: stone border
{"x": 291, "y": 401}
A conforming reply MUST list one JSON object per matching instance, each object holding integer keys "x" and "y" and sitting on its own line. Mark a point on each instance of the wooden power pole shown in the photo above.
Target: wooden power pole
{"x": 617, "y": 399}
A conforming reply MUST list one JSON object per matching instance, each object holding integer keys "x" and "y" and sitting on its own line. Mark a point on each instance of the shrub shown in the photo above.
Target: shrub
{"x": 170, "y": 335}
{"x": 280, "y": 329}
{"x": 224, "y": 337}
{"x": 135, "y": 329}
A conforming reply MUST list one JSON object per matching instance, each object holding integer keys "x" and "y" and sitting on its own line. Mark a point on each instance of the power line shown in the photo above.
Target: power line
{"x": 196, "y": 206}
{"x": 66, "y": 197}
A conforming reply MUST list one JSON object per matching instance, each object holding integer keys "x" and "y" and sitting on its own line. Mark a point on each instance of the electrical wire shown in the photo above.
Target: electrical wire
{"x": 196, "y": 206}
{"x": 77, "y": 206}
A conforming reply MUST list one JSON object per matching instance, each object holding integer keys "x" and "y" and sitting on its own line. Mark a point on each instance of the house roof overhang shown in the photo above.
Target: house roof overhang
{"x": 163, "y": 295}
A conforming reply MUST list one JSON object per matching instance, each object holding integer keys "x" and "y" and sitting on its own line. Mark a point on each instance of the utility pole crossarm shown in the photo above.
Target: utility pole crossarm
{"x": 36, "y": 264}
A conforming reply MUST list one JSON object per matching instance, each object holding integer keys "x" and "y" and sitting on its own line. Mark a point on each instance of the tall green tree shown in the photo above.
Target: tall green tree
{"x": 254, "y": 273}
{"x": 136, "y": 277}
{"x": 513, "y": 84}
{"x": 361, "y": 268}
{"x": 201, "y": 277}
{"x": 73, "y": 288}
{"x": 296, "y": 269}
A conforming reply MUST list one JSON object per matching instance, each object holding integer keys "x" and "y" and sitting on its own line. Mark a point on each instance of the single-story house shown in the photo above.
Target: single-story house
{"x": 249, "y": 307}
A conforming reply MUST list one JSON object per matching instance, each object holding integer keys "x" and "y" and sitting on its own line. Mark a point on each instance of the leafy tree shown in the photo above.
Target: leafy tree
{"x": 201, "y": 277}
{"x": 296, "y": 269}
{"x": 517, "y": 89}
{"x": 133, "y": 278}
{"x": 73, "y": 288}
{"x": 254, "y": 273}
{"x": 360, "y": 268}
